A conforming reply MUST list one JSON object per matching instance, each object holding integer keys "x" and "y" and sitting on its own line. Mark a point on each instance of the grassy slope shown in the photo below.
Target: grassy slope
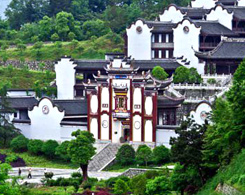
{"x": 90, "y": 49}
{"x": 41, "y": 161}
{"x": 236, "y": 167}
{"x": 23, "y": 78}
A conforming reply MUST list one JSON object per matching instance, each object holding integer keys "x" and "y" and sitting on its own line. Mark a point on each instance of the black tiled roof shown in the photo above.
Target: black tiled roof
{"x": 165, "y": 101}
{"x": 225, "y": 2}
{"x": 214, "y": 28}
{"x": 239, "y": 12}
{"x": 194, "y": 12}
{"x": 91, "y": 64}
{"x": 161, "y": 26}
{"x": 167, "y": 64}
{"x": 229, "y": 50}
{"x": 21, "y": 102}
{"x": 72, "y": 107}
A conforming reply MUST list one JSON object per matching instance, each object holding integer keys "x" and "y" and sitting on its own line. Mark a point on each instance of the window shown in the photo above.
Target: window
{"x": 156, "y": 38}
{"x": 167, "y": 117}
{"x": 171, "y": 38}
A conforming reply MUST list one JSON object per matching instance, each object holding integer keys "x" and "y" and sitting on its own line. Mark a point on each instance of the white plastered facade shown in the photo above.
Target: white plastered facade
{"x": 139, "y": 43}
{"x": 206, "y": 4}
{"x": 222, "y": 15}
{"x": 200, "y": 113}
{"x": 186, "y": 42}
{"x": 172, "y": 14}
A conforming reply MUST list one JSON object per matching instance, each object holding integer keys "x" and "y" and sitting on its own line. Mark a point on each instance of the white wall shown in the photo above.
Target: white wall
{"x": 139, "y": 44}
{"x": 222, "y": 15}
{"x": 172, "y": 14}
{"x": 202, "y": 108}
{"x": 148, "y": 131}
{"x": 94, "y": 127}
{"x": 163, "y": 137}
{"x": 94, "y": 104}
{"x": 45, "y": 126}
{"x": 116, "y": 131}
{"x": 184, "y": 43}
{"x": 136, "y": 131}
{"x": 105, "y": 97}
{"x": 65, "y": 78}
{"x": 241, "y": 3}
{"x": 137, "y": 100}
{"x": 207, "y": 4}
{"x": 148, "y": 106}
{"x": 104, "y": 127}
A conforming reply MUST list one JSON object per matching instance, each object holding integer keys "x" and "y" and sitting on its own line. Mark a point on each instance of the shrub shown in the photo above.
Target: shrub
{"x": 185, "y": 75}
{"x": 49, "y": 148}
{"x": 211, "y": 81}
{"x": 143, "y": 154}
{"x": 35, "y": 146}
{"x": 19, "y": 144}
{"x": 111, "y": 182}
{"x": 61, "y": 151}
{"x": 157, "y": 186}
{"x": 234, "y": 179}
{"x": 151, "y": 174}
{"x": 121, "y": 187}
{"x": 125, "y": 155}
{"x": 49, "y": 175}
{"x": 242, "y": 180}
{"x": 138, "y": 184}
{"x": 76, "y": 175}
{"x": 161, "y": 155}
{"x": 159, "y": 73}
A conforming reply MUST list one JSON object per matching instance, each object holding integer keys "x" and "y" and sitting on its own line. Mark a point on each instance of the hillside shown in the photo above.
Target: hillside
{"x": 233, "y": 175}
{"x": 89, "y": 49}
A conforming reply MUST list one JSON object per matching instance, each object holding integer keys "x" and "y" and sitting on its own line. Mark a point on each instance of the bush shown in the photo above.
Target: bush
{"x": 138, "y": 184}
{"x": 121, "y": 187}
{"x": 161, "y": 155}
{"x": 211, "y": 81}
{"x": 158, "y": 186}
{"x": 234, "y": 179}
{"x": 49, "y": 175}
{"x": 151, "y": 174}
{"x": 61, "y": 151}
{"x": 76, "y": 175}
{"x": 125, "y": 155}
{"x": 185, "y": 75}
{"x": 242, "y": 180}
{"x": 19, "y": 144}
{"x": 159, "y": 73}
{"x": 49, "y": 148}
{"x": 111, "y": 182}
{"x": 35, "y": 146}
{"x": 143, "y": 154}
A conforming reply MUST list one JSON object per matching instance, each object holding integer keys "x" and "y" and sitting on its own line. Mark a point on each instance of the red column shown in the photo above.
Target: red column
{"x": 154, "y": 116}
{"x": 88, "y": 110}
{"x": 99, "y": 112}
{"x": 110, "y": 110}
{"x": 143, "y": 115}
{"x": 131, "y": 110}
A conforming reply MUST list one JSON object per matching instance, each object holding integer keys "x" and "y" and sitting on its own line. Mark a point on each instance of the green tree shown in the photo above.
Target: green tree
{"x": 181, "y": 75}
{"x": 7, "y": 129}
{"x": 158, "y": 186}
{"x": 125, "y": 155}
{"x": 96, "y": 28}
{"x": 187, "y": 147}
{"x": 49, "y": 148}
{"x": 64, "y": 23}
{"x": 81, "y": 150}
{"x": 19, "y": 143}
{"x": 21, "y": 47}
{"x": 121, "y": 187}
{"x": 55, "y": 37}
{"x": 179, "y": 179}
{"x": 138, "y": 184}
{"x": 143, "y": 154}
{"x": 71, "y": 36}
{"x": 46, "y": 28}
{"x": 62, "y": 151}
{"x": 161, "y": 155}
{"x": 159, "y": 73}
{"x": 35, "y": 146}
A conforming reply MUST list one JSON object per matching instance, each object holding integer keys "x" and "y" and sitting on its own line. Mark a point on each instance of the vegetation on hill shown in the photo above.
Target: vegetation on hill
{"x": 24, "y": 78}
{"x": 233, "y": 175}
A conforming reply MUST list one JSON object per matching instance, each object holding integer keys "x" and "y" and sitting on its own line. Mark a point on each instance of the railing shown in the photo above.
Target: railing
{"x": 163, "y": 45}
{"x": 197, "y": 86}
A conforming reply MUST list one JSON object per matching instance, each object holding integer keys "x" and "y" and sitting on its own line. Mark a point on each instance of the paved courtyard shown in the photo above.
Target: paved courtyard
{"x": 38, "y": 174}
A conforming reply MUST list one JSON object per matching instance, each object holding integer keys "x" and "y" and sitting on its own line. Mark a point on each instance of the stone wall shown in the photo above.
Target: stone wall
{"x": 133, "y": 172}
{"x": 32, "y": 65}
{"x": 227, "y": 190}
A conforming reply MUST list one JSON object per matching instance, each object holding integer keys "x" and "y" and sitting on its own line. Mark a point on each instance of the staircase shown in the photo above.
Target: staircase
{"x": 103, "y": 157}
